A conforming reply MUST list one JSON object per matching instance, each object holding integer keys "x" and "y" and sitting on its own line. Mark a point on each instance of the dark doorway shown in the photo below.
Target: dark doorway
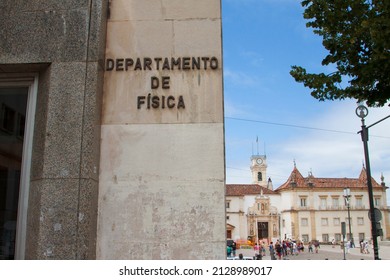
{"x": 263, "y": 229}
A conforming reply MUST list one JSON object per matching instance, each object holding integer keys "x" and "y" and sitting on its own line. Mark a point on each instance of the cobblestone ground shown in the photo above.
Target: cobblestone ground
{"x": 327, "y": 252}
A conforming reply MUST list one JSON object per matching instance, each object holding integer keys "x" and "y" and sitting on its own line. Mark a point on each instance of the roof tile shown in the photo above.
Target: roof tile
{"x": 246, "y": 189}
{"x": 296, "y": 180}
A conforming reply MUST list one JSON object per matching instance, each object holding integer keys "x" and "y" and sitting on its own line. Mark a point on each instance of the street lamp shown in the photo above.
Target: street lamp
{"x": 347, "y": 198}
{"x": 362, "y": 112}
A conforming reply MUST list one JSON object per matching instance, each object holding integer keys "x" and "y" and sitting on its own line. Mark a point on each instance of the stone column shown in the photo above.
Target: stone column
{"x": 64, "y": 42}
{"x": 161, "y": 186}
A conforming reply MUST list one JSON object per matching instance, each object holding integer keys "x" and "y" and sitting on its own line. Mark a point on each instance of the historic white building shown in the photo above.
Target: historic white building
{"x": 304, "y": 208}
{"x": 251, "y": 209}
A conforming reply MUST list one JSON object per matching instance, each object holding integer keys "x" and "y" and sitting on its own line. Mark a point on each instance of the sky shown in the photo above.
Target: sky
{"x": 262, "y": 39}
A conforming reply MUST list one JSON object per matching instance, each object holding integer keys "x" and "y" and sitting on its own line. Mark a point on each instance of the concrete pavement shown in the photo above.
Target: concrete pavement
{"x": 330, "y": 253}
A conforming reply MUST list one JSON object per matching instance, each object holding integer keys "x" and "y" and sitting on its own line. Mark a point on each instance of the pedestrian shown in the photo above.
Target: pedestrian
{"x": 284, "y": 245}
{"x": 295, "y": 248}
{"x": 352, "y": 243}
{"x": 256, "y": 248}
{"x": 333, "y": 243}
{"x": 263, "y": 249}
{"x": 316, "y": 245}
{"x": 310, "y": 247}
{"x": 291, "y": 244}
{"x": 229, "y": 251}
{"x": 366, "y": 251}
{"x": 234, "y": 248}
{"x": 301, "y": 247}
{"x": 278, "y": 248}
{"x": 272, "y": 250}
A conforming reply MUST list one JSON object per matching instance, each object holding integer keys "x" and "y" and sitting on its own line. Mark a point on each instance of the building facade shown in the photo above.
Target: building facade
{"x": 307, "y": 208}
{"x": 314, "y": 208}
{"x": 251, "y": 210}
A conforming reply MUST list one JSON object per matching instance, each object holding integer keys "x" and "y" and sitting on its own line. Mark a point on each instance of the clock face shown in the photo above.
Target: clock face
{"x": 259, "y": 161}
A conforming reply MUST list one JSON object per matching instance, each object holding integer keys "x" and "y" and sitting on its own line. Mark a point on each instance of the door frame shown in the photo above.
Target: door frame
{"x": 29, "y": 80}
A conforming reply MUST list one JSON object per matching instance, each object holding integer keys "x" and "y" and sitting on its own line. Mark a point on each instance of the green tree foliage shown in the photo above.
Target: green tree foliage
{"x": 357, "y": 35}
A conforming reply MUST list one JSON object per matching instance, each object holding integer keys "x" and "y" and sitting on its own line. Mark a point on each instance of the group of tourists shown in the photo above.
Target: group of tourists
{"x": 281, "y": 249}
{"x": 315, "y": 244}
{"x": 231, "y": 249}
{"x": 364, "y": 245}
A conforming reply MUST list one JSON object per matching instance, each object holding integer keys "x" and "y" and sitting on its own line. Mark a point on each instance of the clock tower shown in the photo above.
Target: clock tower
{"x": 259, "y": 170}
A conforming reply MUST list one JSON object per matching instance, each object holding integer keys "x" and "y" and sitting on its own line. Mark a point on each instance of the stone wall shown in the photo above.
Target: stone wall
{"x": 63, "y": 41}
{"x": 161, "y": 186}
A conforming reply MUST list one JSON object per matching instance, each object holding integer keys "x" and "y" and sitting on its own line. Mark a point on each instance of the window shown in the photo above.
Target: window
{"x": 227, "y": 217}
{"x": 305, "y": 238}
{"x": 324, "y": 221}
{"x": 259, "y": 176}
{"x": 361, "y": 236}
{"x": 323, "y": 203}
{"x": 228, "y": 204}
{"x": 359, "y": 202}
{"x": 304, "y": 222}
{"x": 228, "y": 234}
{"x": 336, "y": 221}
{"x": 325, "y": 237}
{"x": 17, "y": 110}
{"x": 377, "y": 201}
{"x": 360, "y": 221}
{"x": 335, "y": 203}
{"x": 303, "y": 201}
{"x": 347, "y": 221}
{"x": 337, "y": 237}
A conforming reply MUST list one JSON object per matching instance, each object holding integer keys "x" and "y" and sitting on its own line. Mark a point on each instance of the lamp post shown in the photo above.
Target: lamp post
{"x": 347, "y": 198}
{"x": 362, "y": 112}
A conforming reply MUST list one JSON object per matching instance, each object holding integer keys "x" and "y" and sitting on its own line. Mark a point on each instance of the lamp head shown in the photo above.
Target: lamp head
{"x": 361, "y": 111}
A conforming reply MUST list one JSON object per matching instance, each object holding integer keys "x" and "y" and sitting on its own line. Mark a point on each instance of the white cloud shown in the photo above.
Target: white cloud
{"x": 232, "y": 110}
{"x": 253, "y": 58}
{"x": 331, "y": 151}
{"x": 239, "y": 78}
{"x": 331, "y": 154}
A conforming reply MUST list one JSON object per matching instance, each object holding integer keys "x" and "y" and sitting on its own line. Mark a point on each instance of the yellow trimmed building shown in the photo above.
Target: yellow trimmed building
{"x": 303, "y": 208}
